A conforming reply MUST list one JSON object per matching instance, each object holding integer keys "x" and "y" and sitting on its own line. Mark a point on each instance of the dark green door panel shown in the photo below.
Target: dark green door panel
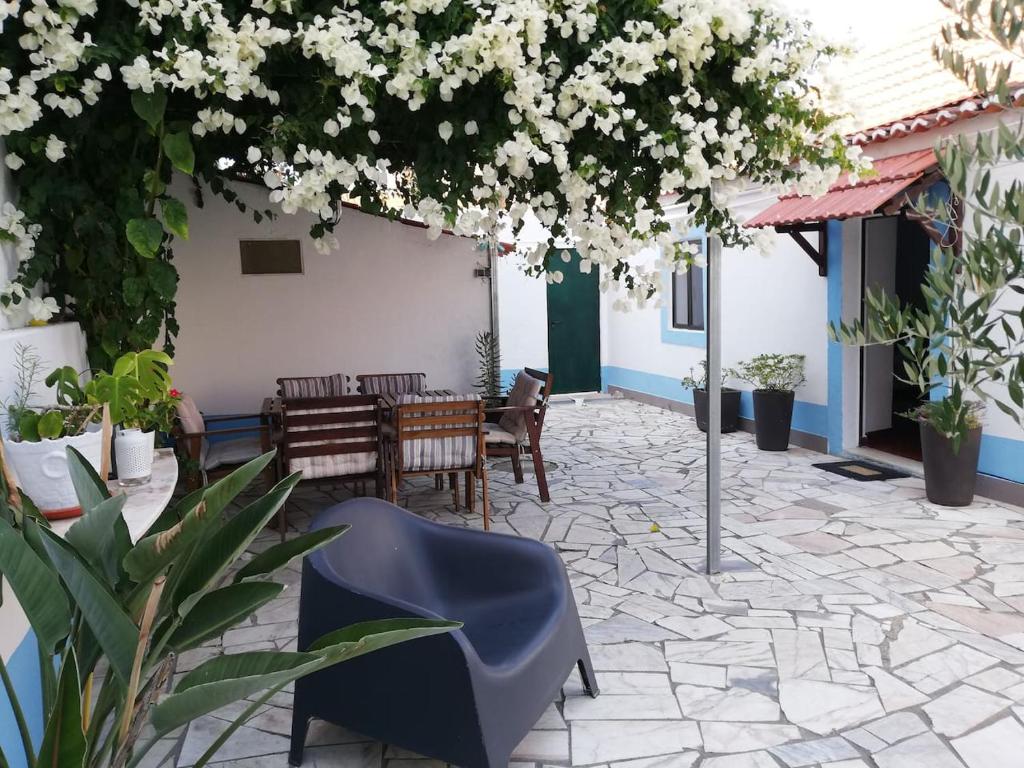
{"x": 574, "y": 323}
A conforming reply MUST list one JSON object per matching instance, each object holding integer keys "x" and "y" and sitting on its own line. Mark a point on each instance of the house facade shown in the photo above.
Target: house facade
{"x": 825, "y": 253}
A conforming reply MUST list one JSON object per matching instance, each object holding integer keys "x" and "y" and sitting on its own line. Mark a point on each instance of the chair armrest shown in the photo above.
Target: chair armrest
{"x": 235, "y": 417}
{"x": 513, "y": 408}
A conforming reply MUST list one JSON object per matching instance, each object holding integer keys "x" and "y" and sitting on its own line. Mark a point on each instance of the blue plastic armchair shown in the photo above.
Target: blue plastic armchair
{"x": 467, "y": 697}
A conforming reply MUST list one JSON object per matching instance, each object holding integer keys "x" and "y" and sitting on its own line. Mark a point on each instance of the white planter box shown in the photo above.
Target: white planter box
{"x": 42, "y": 470}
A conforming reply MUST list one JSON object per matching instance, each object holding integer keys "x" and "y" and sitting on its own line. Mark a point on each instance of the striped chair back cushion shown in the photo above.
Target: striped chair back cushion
{"x": 420, "y": 451}
{"x": 293, "y": 387}
{"x": 326, "y": 441}
{"x": 391, "y": 383}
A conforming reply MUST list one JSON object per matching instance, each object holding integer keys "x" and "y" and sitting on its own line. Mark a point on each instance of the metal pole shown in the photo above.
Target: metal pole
{"x": 713, "y": 339}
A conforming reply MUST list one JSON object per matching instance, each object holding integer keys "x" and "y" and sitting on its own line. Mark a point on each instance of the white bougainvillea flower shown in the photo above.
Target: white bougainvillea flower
{"x": 54, "y": 149}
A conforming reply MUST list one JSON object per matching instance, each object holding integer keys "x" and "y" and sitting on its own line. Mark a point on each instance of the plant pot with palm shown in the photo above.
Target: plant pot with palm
{"x": 698, "y": 383}
{"x": 775, "y": 379}
{"x": 963, "y": 346}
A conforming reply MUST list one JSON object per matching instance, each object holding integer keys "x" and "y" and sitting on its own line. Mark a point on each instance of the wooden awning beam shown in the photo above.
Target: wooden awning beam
{"x": 818, "y": 255}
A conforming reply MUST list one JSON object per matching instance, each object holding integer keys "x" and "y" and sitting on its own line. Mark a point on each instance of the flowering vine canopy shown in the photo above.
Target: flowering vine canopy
{"x": 464, "y": 113}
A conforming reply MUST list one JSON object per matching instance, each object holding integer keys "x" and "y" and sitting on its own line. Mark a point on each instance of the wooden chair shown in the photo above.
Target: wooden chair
{"x": 335, "y": 438}
{"x": 205, "y": 459}
{"x": 334, "y": 385}
{"x": 434, "y": 434}
{"x": 391, "y": 383}
{"x": 514, "y": 427}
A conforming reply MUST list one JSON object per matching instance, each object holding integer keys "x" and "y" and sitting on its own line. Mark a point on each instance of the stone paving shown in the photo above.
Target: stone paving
{"x": 854, "y": 624}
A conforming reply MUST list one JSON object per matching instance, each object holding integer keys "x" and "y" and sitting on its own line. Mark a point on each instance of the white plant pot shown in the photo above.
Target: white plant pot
{"x": 42, "y": 470}
{"x": 133, "y": 451}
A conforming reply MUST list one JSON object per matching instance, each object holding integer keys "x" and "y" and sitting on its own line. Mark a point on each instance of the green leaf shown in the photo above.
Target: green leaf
{"x": 150, "y": 106}
{"x": 50, "y": 425}
{"x": 279, "y": 555}
{"x": 221, "y": 609}
{"x": 100, "y": 536}
{"x": 226, "y": 679}
{"x": 156, "y": 551}
{"x": 175, "y": 216}
{"x": 64, "y": 744}
{"x": 145, "y": 235}
{"x": 28, "y": 426}
{"x": 214, "y": 556}
{"x": 115, "y": 632}
{"x": 89, "y": 488}
{"x": 36, "y": 586}
{"x": 178, "y": 148}
{"x": 120, "y": 393}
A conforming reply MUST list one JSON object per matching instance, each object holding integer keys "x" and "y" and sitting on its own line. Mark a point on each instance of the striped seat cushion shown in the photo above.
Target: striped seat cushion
{"x": 392, "y": 383}
{"x": 335, "y": 385}
{"x": 437, "y": 453}
{"x": 330, "y": 465}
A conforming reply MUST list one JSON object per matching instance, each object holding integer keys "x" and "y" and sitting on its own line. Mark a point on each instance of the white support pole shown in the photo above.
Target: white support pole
{"x": 713, "y": 337}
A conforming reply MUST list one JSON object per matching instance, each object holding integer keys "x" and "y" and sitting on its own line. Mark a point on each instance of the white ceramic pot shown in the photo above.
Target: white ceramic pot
{"x": 42, "y": 470}
{"x": 133, "y": 451}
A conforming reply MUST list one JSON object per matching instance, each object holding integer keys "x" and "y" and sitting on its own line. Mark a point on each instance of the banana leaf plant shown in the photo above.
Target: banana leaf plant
{"x": 101, "y": 605}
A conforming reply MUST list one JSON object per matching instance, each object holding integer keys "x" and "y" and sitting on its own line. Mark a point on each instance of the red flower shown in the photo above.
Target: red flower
{"x": 175, "y": 394}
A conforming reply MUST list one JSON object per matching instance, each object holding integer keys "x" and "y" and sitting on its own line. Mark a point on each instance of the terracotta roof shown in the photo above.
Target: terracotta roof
{"x": 847, "y": 198}
{"x": 902, "y": 80}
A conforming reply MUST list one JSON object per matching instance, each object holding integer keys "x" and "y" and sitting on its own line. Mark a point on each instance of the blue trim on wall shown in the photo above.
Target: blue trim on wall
{"x": 682, "y": 336}
{"x": 811, "y": 418}
{"x": 23, "y": 667}
{"x": 1002, "y": 457}
{"x": 834, "y": 230}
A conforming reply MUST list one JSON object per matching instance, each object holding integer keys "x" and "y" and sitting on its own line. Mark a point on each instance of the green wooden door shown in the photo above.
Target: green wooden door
{"x": 574, "y": 328}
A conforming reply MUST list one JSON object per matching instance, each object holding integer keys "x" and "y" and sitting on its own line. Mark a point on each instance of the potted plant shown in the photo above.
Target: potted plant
{"x": 775, "y": 379}
{"x": 730, "y": 400}
{"x": 38, "y": 435}
{"x": 97, "y": 601}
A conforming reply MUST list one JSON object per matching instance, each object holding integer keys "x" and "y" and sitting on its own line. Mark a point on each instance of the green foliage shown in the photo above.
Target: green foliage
{"x": 964, "y": 344}
{"x": 700, "y": 380}
{"x": 488, "y": 354}
{"x": 771, "y": 372}
{"x": 96, "y": 600}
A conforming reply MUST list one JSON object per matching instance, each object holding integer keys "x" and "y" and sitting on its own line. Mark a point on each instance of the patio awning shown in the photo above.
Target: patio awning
{"x": 846, "y": 199}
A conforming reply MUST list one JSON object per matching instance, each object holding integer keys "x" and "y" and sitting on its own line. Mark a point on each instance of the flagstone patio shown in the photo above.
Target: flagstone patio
{"x": 854, "y": 624}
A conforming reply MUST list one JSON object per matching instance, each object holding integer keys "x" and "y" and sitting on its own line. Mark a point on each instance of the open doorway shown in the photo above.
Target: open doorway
{"x": 896, "y": 255}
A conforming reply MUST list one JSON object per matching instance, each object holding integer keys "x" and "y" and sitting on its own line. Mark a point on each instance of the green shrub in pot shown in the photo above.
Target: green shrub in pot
{"x": 96, "y": 600}
{"x": 775, "y": 378}
{"x": 698, "y": 383}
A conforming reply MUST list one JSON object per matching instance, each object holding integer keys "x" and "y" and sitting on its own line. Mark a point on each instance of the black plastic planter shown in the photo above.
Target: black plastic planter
{"x": 730, "y": 409}
{"x": 949, "y": 477}
{"x": 773, "y": 415}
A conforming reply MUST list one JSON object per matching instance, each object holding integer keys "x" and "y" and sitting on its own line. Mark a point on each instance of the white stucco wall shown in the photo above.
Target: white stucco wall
{"x": 523, "y": 315}
{"x": 388, "y": 300}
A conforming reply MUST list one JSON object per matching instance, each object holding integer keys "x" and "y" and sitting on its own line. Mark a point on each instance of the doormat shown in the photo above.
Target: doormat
{"x": 864, "y": 471}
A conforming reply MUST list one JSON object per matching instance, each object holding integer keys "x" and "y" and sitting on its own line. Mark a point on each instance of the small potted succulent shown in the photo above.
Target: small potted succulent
{"x": 38, "y": 436}
{"x": 730, "y": 400}
{"x": 775, "y": 378}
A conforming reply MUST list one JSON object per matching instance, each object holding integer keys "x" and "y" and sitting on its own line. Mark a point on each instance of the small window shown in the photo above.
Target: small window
{"x": 688, "y": 297}
{"x": 270, "y": 257}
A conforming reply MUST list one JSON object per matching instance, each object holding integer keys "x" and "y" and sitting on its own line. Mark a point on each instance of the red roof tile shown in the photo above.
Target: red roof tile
{"x": 845, "y": 198}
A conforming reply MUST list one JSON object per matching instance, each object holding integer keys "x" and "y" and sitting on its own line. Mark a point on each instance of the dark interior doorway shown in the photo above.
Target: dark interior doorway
{"x": 896, "y": 255}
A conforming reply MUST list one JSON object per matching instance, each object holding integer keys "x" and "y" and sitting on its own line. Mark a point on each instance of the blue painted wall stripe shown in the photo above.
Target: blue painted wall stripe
{"x": 23, "y": 667}
{"x": 835, "y": 349}
{"x": 1002, "y": 457}
{"x": 807, "y": 417}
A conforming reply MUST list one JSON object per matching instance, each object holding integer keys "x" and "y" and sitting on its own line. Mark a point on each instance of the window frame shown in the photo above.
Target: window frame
{"x": 687, "y": 278}
{"x": 243, "y": 241}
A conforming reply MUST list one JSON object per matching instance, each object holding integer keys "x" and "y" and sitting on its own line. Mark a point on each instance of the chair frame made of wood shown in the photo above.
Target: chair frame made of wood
{"x": 361, "y": 377}
{"x": 533, "y": 415}
{"x": 333, "y": 427}
{"x": 437, "y": 420}
{"x": 189, "y": 447}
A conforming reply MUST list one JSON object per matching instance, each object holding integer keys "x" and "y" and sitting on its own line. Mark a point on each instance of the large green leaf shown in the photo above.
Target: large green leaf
{"x": 101, "y": 537}
{"x": 89, "y": 488}
{"x": 220, "y": 610}
{"x": 120, "y": 393}
{"x": 145, "y": 235}
{"x": 226, "y": 679}
{"x": 224, "y": 491}
{"x": 64, "y": 744}
{"x": 115, "y": 632}
{"x": 175, "y": 216}
{"x": 214, "y": 556}
{"x": 178, "y": 148}
{"x": 36, "y": 586}
{"x": 279, "y": 555}
{"x": 150, "y": 106}
{"x": 155, "y": 552}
